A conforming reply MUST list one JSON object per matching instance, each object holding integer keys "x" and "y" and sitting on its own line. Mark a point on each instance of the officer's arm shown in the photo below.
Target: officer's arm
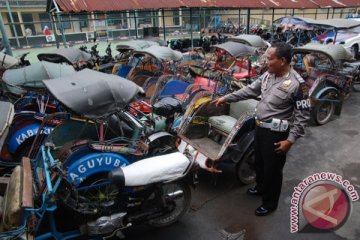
{"x": 301, "y": 113}
{"x": 251, "y": 91}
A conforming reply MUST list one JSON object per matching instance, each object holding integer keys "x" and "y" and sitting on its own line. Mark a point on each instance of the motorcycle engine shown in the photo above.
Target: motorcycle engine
{"x": 106, "y": 225}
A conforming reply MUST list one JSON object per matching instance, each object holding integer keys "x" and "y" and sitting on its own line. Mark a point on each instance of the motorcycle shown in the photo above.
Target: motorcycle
{"x": 39, "y": 198}
{"x": 104, "y": 185}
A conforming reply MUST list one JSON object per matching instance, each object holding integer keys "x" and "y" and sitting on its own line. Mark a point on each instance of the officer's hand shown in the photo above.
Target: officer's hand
{"x": 282, "y": 147}
{"x": 218, "y": 101}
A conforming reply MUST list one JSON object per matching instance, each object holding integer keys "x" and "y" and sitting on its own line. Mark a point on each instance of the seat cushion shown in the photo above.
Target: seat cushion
{"x": 241, "y": 75}
{"x": 167, "y": 106}
{"x": 222, "y": 123}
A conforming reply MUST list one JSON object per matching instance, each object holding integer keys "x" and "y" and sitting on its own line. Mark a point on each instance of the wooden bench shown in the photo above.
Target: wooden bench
{"x": 18, "y": 196}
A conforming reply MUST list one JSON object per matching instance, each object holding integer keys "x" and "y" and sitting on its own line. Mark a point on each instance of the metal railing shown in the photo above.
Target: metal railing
{"x": 168, "y": 24}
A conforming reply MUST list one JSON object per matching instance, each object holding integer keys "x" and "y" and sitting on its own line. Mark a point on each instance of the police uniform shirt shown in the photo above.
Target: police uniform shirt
{"x": 285, "y": 98}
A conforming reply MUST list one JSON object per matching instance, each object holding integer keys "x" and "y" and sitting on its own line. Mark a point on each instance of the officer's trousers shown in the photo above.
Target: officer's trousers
{"x": 269, "y": 165}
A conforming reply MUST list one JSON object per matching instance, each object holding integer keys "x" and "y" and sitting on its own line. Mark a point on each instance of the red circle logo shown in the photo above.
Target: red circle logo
{"x": 326, "y": 206}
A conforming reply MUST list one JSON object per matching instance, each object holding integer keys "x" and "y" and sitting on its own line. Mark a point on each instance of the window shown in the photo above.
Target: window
{"x": 176, "y": 17}
{"x": 83, "y": 21}
{"x": 45, "y": 20}
{"x": 28, "y": 22}
{"x": 65, "y": 20}
{"x": 114, "y": 19}
{"x": 144, "y": 18}
{"x": 100, "y": 21}
{"x": 16, "y": 24}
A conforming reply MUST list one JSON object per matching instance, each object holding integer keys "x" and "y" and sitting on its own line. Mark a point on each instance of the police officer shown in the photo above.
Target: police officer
{"x": 281, "y": 116}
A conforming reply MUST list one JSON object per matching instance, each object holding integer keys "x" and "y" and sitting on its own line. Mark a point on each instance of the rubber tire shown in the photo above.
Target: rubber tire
{"x": 96, "y": 178}
{"x": 355, "y": 51}
{"x": 163, "y": 221}
{"x": 316, "y": 110}
{"x": 245, "y": 165}
{"x": 356, "y": 85}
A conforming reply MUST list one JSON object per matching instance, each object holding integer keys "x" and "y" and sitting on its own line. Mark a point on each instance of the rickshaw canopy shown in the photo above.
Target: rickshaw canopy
{"x": 334, "y": 52}
{"x": 236, "y": 49}
{"x": 93, "y": 94}
{"x": 161, "y": 53}
{"x": 252, "y": 40}
{"x": 68, "y": 55}
{"x": 32, "y": 76}
{"x": 135, "y": 45}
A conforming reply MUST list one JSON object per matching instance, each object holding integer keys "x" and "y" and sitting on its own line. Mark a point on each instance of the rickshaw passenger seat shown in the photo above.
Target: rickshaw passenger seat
{"x": 225, "y": 123}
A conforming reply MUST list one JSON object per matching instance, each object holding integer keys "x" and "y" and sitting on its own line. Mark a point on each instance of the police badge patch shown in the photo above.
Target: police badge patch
{"x": 285, "y": 85}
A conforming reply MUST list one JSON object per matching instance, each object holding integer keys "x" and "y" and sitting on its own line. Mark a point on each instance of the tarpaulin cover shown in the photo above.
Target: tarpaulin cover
{"x": 18, "y": 80}
{"x": 236, "y": 49}
{"x": 161, "y": 53}
{"x": 68, "y": 55}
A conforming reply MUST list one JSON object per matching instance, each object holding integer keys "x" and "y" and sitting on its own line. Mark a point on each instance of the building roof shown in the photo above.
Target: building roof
{"x": 115, "y": 5}
{"x": 337, "y": 3}
{"x": 24, "y": 3}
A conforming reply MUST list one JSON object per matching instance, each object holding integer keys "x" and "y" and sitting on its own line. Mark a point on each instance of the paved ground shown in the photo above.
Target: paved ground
{"x": 333, "y": 147}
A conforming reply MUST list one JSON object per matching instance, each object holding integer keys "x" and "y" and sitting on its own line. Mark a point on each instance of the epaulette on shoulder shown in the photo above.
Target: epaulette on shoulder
{"x": 265, "y": 76}
{"x": 299, "y": 78}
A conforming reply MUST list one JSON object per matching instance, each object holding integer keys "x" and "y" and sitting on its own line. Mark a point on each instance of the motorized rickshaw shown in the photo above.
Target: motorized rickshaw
{"x": 92, "y": 170}
{"x": 32, "y": 102}
{"x": 123, "y": 66}
{"x": 18, "y": 133}
{"x": 211, "y": 134}
{"x": 235, "y": 57}
{"x": 329, "y": 76}
{"x": 153, "y": 62}
{"x": 67, "y": 181}
{"x": 258, "y": 61}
